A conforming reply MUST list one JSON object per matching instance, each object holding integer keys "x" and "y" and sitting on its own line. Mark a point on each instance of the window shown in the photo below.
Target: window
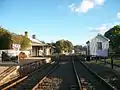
{"x": 99, "y": 45}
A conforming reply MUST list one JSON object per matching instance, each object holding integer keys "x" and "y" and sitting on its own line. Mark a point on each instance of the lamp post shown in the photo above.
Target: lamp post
{"x": 18, "y": 53}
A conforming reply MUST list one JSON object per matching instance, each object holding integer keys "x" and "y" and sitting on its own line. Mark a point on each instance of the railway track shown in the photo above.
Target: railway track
{"x": 47, "y": 79}
{"x": 7, "y": 72}
{"x": 57, "y": 78}
{"x": 89, "y": 80}
{"x": 50, "y": 78}
{"x": 78, "y": 78}
{"x": 110, "y": 75}
{"x": 27, "y": 82}
{"x": 46, "y": 83}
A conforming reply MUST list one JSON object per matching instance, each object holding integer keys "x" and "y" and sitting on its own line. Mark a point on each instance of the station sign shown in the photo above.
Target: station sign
{"x": 16, "y": 46}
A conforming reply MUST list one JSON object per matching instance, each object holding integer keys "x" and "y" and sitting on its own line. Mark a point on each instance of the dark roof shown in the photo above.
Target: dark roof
{"x": 87, "y": 42}
{"x": 103, "y": 37}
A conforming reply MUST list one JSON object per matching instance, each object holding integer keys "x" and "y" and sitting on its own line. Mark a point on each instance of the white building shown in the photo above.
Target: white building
{"x": 98, "y": 46}
{"x": 38, "y": 48}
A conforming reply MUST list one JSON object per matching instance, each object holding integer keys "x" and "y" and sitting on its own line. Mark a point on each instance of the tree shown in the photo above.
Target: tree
{"x": 63, "y": 45}
{"x": 78, "y": 48}
{"x": 114, "y": 35}
{"x": 23, "y": 41}
{"x": 69, "y": 45}
{"x": 5, "y": 39}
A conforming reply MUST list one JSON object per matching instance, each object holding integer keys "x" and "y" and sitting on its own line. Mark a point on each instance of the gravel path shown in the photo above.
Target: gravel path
{"x": 66, "y": 74}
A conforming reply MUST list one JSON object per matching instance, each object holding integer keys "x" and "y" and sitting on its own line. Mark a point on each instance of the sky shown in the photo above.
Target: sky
{"x": 52, "y": 20}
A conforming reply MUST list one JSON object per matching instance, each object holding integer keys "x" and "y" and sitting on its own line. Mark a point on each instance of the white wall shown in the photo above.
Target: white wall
{"x": 47, "y": 51}
{"x": 41, "y": 52}
{"x": 9, "y": 52}
{"x": 13, "y": 53}
{"x": 93, "y": 47}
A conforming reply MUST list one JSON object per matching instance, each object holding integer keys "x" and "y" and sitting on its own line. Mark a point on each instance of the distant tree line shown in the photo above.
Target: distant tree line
{"x": 79, "y": 48}
{"x": 62, "y": 45}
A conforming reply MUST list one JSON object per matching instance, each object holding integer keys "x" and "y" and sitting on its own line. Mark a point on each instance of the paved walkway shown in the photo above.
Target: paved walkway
{"x": 23, "y": 61}
{"x": 8, "y": 64}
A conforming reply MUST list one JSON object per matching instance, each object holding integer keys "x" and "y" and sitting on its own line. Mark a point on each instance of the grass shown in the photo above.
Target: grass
{"x": 114, "y": 61}
{"x": 117, "y": 62}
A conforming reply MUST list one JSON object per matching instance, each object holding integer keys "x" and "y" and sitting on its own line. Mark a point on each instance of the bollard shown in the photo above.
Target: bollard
{"x": 104, "y": 61}
{"x": 96, "y": 60}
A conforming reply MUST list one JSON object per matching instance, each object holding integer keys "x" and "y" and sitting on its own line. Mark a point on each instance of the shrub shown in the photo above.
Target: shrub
{"x": 22, "y": 55}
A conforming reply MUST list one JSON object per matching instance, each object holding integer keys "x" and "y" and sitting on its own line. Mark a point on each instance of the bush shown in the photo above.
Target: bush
{"x": 22, "y": 55}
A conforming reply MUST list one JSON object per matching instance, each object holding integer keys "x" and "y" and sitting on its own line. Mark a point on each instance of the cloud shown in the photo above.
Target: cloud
{"x": 118, "y": 15}
{"x": 85, "y": 5}
{"x": 99, "y": 2}
{"x": 103, "y": 27}
{"x": 72, "y": 7}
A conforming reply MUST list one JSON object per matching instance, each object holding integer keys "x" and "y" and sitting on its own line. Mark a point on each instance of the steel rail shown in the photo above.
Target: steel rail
{"x": 6, "y": 73}
{"x": 77, "y": 76}
{"x": 19, "y": 80}
{"x": 97, "y": 76}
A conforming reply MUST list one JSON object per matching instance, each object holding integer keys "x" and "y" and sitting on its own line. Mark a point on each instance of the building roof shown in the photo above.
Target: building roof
{"x": 36, "y": 42}
{"x": 103, "y": 37}
{"x": 87, "y": 42}
{"x": 100, "y": 36}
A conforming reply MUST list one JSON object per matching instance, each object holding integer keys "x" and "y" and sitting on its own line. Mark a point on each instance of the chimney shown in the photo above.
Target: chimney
{"x": 26, "y": 33}
{"x": 34, "y": 36}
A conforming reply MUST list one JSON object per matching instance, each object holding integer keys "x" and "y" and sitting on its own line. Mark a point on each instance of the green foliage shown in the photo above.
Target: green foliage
{"x": 25, "y": 42}
{"x": 79, "y": 48}
{"x": 114, "y": 35}
{"x": 5, "y": 39}
{"x": 63, "y": 45}
{"x": 16, "y": 38}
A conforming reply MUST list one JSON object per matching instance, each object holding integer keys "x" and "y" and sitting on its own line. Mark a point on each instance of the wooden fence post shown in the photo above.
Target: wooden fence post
{"x": 111, "y": 61}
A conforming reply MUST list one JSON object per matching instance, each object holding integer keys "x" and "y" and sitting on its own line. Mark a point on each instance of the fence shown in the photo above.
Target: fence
{"x": 12, "y": 53}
